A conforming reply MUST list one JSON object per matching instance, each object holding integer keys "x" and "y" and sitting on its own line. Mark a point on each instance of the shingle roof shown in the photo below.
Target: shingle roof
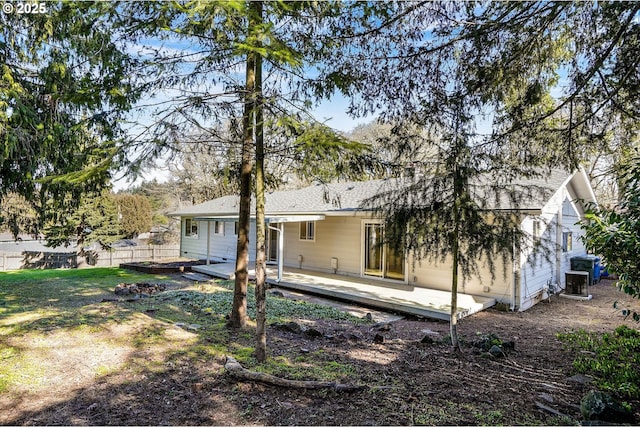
{"x": 349, "y": 197}
{"x": 334, "y": 197}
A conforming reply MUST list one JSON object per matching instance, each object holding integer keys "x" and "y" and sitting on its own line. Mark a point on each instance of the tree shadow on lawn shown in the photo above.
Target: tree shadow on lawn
{"x": 175, "y": 377}
{"x": 105, "y": 363}
{"x": 115, "y": 364}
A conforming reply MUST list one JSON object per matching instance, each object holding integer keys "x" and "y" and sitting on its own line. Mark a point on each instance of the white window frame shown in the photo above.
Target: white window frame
{"x": 236, "y": 227}
{"x": 536, "y": 230}
{"x": 218, "y": 228}
{"x": 567, "y": 241}
{"x": 309, "y": 228}
{"x": 189, "y": 225}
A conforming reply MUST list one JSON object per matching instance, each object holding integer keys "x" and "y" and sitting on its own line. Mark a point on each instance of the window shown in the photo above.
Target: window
{"x": 190, "y": 228}
{"x": 308, "y": 230}
{"x": 218, "y": 227}
{"x": 567, "y": 241}
{"x": 537, "y": 230}
{"x": 235, "y": 228}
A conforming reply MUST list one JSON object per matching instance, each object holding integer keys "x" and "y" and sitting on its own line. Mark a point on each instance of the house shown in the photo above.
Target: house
{"x": 324, "y": 229}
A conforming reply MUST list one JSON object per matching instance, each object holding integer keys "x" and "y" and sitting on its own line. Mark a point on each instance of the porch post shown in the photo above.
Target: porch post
{"x": 280, "y": 250}
{"x": 208, "y": 240}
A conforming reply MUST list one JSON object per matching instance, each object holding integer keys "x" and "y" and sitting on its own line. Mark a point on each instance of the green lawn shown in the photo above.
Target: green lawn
{"x": 45, "y": 313}
{"x": 26, "y": 290}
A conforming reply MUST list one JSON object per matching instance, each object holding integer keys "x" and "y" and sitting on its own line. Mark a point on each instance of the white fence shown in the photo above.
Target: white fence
{"x": 100, "y": 258}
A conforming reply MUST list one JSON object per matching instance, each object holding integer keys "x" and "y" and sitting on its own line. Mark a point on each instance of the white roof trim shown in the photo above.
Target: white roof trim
{"x": 269, "y": 219}
{"x": 276, "y": 219}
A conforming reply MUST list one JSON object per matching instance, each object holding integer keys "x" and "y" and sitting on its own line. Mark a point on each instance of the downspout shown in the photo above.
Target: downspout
{"x": 280, "y": 251}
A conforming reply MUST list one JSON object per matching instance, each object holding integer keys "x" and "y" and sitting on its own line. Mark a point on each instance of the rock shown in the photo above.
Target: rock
{"x": 354, "y": 337}
{"x": 194, "y": 327}
{"x": 348, "y": 336}
{"x": 122, "y": 289}
{"x": 580, "y": 379}
{"x": 294, "y": 327}
{"x": 304, "y": 350}
{"x": 496, "y": 351}
{"x": 427, "y": 340}
{"x": 600, "y": 406}
{"x": 383, "y": 327}
{"x": 313, "y": 333}
{"x": 378, "y": 339}
{"x": 143, "y": 289}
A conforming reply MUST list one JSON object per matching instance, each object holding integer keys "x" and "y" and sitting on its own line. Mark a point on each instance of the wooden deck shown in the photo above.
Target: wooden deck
{"x": 397, "y": 297}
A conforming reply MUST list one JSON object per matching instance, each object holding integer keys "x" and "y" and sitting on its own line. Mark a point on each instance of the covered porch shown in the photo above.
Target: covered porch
{"x": 397, "y": 297}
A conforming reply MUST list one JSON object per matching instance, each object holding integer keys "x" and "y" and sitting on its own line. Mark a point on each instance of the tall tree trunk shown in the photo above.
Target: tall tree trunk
{"x": 459, "y": 186}
{"x": 453, "y": 321}
{"x": 239, "y": 310}
{"x": 261, "y": 231}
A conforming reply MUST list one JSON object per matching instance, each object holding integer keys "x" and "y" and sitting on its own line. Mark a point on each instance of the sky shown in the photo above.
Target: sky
{"x": 331, "y": 112}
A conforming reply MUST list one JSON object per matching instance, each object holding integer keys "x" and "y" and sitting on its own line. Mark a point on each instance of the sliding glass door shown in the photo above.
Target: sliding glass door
{"x": 379, "y": 259}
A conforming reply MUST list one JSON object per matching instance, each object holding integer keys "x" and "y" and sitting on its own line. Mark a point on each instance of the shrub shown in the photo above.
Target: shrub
{"x": 613, "y": 359}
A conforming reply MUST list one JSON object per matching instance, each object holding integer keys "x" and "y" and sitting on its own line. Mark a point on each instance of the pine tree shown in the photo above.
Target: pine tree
{"x": 444, "y": 67}
{"x": 134, "y": 213}
{"x": 65, "y": 83}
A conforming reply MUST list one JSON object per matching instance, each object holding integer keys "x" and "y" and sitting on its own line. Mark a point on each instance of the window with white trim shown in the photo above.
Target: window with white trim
{"x": 567, "y": 241}
{"x": 218, "y": 227}
{"x": 537, "y": 230}
{"x": 308, "y": 230}
{"x": 190, "y": 228}
{"x": 235, "y": 228}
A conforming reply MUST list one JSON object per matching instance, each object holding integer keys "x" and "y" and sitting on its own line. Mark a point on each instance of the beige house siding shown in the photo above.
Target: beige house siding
{"x": 438, "y": 276}
{"x": 335, "y": 237}
{"x": 340, "y": 237}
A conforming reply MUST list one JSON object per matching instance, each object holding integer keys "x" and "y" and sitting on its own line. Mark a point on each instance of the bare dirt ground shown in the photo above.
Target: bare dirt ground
{"x": 409, "y": 382}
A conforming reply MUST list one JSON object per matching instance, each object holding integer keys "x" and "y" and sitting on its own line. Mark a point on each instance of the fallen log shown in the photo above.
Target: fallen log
{"x": 235, "y": 369}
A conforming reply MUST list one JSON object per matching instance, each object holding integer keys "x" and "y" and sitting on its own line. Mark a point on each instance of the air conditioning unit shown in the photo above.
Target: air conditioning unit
{"x": 577, "y": 283}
